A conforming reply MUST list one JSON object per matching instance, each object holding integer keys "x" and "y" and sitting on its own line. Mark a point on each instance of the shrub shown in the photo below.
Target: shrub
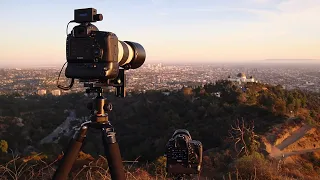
{"x": 3, "y": 146}
{"x": 254, "y": 166}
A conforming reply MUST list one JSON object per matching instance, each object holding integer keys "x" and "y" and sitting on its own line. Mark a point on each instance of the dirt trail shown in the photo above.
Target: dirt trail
{"x": 298, "y": 134}
{"x": 286, "y": 154}
{"x": 279, "y": 154}
{"x": 276, "y": 151}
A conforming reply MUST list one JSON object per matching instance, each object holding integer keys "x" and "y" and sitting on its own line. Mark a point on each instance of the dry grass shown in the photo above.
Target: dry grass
{"x": 22, "y": 168}
{"x": 36, "y": 167}
{"x": 252, "y": 167}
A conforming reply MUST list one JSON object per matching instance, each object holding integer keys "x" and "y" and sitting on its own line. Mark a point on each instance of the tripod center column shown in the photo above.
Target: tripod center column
{"x": 101, "y": 107}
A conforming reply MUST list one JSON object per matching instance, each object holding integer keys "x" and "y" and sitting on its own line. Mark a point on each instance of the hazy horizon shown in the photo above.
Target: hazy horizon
{"x": 204, "y": 31}
{"x": 254, "y": 63}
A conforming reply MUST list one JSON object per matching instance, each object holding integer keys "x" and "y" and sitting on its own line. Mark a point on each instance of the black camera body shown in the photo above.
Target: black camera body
{"x": 94, "y": 55}
{"x": 184, "y": 155}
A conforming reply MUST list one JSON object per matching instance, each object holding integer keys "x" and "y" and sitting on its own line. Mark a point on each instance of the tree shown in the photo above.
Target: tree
{"x": 251, "y": 97}
{"x": 280, "y": 106}
{"x": 4, "y": 146}
{"x": 297, "y": 104}
{"x": 267, "y": 100}
{"x": 243, "y": 135}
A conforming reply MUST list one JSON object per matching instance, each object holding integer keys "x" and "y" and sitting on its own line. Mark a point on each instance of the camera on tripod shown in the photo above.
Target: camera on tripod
{"x": 184, "y": 155}
{"x": 98, "y": 56}
{"x": 98, "y": 59}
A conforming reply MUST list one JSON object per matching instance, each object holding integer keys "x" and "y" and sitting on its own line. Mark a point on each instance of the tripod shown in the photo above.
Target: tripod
{"x": 98, "y": 120}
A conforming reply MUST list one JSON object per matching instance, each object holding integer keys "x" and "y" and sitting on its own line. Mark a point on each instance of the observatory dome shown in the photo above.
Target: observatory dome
{"x": 241, "y": 75}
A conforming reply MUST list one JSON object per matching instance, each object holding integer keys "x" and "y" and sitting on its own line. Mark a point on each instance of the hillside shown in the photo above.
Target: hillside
{"x": 274, "y": 115}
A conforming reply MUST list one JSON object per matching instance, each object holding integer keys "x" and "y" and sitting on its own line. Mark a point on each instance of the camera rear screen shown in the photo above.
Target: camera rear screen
{"x": 81, "y": 48}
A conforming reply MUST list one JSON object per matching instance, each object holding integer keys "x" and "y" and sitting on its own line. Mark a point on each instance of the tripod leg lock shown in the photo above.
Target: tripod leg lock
{"x": 80, "y": 135}
{"x": 113, "y": 155}
{"x": 110, "y": 136}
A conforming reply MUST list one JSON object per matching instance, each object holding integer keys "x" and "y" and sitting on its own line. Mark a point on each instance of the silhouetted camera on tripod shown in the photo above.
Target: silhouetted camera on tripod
{"x": 184, "y": 155}
{"x": 98, "y": 56}
{"x": 98, "y": 59}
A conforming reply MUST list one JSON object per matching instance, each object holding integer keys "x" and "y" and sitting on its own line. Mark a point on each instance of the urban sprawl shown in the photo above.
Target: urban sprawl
{"x": 43, "y": 81}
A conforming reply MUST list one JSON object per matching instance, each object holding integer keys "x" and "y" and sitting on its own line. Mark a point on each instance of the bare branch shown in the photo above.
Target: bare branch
{"x": 242, "y": 135}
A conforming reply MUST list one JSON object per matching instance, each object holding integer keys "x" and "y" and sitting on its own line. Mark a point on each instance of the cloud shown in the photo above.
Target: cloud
{"x": 281, "y": 16}
{"x": 298, "y": 5}
{"x": 289, "y": 14}
{"x": 293, "y": 13}
{"x": 283, "y": 29}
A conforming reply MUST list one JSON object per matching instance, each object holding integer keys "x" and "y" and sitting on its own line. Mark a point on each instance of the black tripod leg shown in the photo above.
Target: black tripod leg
{"x": 71, "y": 154}
{"x": 113, "y": 155}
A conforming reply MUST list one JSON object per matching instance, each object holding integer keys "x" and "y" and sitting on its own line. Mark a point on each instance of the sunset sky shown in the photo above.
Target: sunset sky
{"x": 34, "y": 31}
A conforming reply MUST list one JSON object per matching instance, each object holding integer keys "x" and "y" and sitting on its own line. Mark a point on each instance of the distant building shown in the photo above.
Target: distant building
{"x": 56, "y": 92}
{"x": 19, "y": 122}
{"x": 166, "y": 93}
{"x": 217, "y": 94}
{"x": 42, "y": 92}
{"x": 187, "y": 91}
{"x": 309, "y": 83}
{"x": 242, "y": 78}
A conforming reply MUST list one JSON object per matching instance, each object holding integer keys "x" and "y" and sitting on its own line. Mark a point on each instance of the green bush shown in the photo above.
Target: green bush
{"x": 4, "y": 146}
{"x": 254, "y": 166}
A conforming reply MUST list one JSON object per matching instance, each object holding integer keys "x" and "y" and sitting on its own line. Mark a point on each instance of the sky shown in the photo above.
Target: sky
{"x": 33, "y": 32}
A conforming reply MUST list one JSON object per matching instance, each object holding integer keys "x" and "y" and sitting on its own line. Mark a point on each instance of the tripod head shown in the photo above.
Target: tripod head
{"x": 99, "y": 107}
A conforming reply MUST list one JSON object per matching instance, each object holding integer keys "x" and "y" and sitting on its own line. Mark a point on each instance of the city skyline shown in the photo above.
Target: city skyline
{"x": 170, "y": 31}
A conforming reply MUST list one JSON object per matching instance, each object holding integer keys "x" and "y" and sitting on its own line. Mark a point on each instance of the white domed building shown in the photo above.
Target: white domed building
{"x": 241, "y": 78}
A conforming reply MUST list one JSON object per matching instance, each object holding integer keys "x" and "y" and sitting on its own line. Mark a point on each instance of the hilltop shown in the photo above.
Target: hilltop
{"x": 207, "y": 112}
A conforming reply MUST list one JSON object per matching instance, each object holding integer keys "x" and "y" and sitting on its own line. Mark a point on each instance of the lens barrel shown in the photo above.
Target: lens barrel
{"x": 131, "y": 53}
